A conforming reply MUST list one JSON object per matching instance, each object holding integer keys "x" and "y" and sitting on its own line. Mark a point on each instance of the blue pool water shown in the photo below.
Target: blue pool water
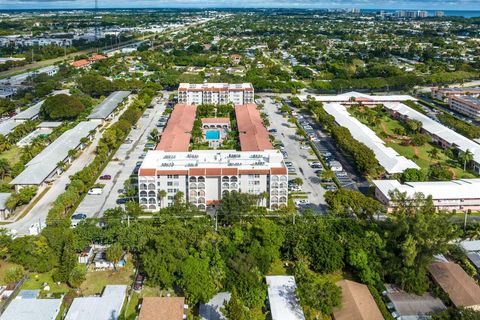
{"x": 212, "y": 135}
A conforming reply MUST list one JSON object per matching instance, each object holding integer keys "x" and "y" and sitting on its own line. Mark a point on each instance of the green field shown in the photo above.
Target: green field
{"x": 97, "y": 280}
{"x": 12, "y": 155}
{"x": 386, "y": 127}
{"x": 36, "y": 281}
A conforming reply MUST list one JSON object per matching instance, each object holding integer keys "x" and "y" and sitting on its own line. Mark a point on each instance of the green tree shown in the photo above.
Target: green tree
{"x": 68, "y": 259}
{"x": 61, "y": 106}
{"x": 77, "y": 276}
{"x": 114, "y": 253}
{"x": 196, "y": 280}
{"x": 465, "y": 157}
{"x": 14, "y": 274}
{"x": 235, "y": 309}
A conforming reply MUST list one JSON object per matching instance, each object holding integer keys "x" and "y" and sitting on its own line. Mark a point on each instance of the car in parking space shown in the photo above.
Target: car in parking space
{"x": 302, "y": 202}
{"x": 95, "y": 191}
{"x": 315, "y": 163}
{"x": 335, "y": 165}
{"x": 285, "y": 154}
{"x": 325, "y": 153}
{"x": 272, "y": 130}
{"x": 106, "y": 177}
{"x": 289, "y": 164}
{"x": 122, "y": 201}
{"x": 138, "y": 284}
{"x": 330, "y": 187}
{"x": 341, "y": 174}
{"x": 292, "y": 170}
{"x": 143, "y": 155}
{"x": 78, "y": 216}
{"x": 305, "y": 147}
{"x": 318, "y": 171}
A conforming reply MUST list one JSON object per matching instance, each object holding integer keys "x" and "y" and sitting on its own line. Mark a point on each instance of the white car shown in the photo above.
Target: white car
{"x": 95, "y": 191}
{"x": 302, "y": 202}
{"x": 305, "y": 147}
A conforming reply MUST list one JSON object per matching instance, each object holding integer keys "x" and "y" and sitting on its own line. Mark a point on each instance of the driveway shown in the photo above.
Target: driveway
{"x": 123, "y": 163}
{"x": 286, "y": 133}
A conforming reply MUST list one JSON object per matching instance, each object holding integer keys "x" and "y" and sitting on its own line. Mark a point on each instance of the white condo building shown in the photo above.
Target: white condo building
{"x": 204, "y": 176}
{"x": 215, "y": 93}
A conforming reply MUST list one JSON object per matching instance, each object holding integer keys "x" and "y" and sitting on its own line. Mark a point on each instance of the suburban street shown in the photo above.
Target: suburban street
{"x": 38, "y": 214}
{"x": 123, "y": 163}
{"x": 299, "y": 157}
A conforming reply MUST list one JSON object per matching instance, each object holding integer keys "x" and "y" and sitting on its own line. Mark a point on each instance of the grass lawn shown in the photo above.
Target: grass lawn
{"x": 4, "y": 266}
{"x": 419, "y": 154}
{"x": 37, "y": 279}
{"x": 97, "y": 280}
{"x": 278, "y": 268}
{"x": 12, "y": 155}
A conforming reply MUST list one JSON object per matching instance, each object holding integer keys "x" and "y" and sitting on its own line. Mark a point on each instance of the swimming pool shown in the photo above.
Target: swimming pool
{"x": 212, "y": 135}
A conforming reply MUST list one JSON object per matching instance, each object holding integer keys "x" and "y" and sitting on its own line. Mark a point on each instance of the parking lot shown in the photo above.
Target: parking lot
{"x": 123, "y": 164}
{"x": 298, "y": 155}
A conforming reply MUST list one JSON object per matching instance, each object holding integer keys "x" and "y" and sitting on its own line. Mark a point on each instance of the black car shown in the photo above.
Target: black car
{"x": 122, "y": 201}
{"x": 79, "y": 216}
{"x": 272, "y": 130}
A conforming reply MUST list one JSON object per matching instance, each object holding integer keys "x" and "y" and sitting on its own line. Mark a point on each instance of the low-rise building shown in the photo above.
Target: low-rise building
{"x": 445, "y": 93}
{"x": 163, "y": 308}
{"x": 27, "y": 306}
{"x": 105, "y": 307}
{"x": 467, "y": 105}
{"x": 357, "y": 303}
{"x": 215, "y": 93}
{"x": 462, "y": 290}
{"x": 282, "y": 299}
{"x": 446, "y": 195}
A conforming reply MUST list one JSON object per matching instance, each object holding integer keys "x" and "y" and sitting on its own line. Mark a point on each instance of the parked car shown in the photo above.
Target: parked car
{"x": 302, "y": 202}
{"x": 79, "y": 216}
{"x": 122, "y": 201}
{"x": 330, "y": 187}
{"x": 289, "y": 164}
{"x": 305, "y": 147}
{"x": 341, "y": 174}
{"x": 95, "y": 191}
{"x": 138, "y": 284}
{"x": 106, "y": 177}
{"x": 272, "y": 130}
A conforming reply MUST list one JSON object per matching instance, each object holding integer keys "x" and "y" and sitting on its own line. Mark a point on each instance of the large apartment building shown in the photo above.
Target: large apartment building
{"x": 215, "y": 93}
{"x": 467, "y": 105}
{"x": 204, "y": 176}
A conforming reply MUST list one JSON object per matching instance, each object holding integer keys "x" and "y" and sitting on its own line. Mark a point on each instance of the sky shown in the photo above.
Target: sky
{"x": 365, "y": 4}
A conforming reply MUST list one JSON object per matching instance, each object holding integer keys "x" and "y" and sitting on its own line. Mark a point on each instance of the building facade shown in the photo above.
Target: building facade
{"x": 467, "y": 105}
{"x": 215, "y": 93}
{"x": 446, "y": 195}
{"x": 204, "y": 176}
{"x": 444, "y": 93}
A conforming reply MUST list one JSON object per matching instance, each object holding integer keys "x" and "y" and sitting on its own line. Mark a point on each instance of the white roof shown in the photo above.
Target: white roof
{"x": 104, "y": 109}
{"x": 470, "y": 245}
{"x": 444, "y": 190}
{"x": 215, "y": 86}
{"x": 40, "y": 167}
{"x": 213, "y": 159}
{"x": 284, "y": 304}
{"x": 433, "y": 127}
{"x": 386, "y": 156}
{"x": 3, "y": 199}
{"x": 28, "y": 309}
{"x": 106, "y": 307}
{"x": 346, "y": 97}
{"x": 7, "y": 126}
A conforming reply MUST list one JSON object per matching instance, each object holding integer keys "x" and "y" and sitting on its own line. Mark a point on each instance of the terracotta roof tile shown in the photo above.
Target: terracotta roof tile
{"x": 176, "y": 136}
{"x": 253, "y": 134}
{"x": 162, "y": 308}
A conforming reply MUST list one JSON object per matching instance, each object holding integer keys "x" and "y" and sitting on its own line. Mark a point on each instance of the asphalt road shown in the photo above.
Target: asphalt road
{"x": 39, "y": 212}
{"x": 123, "y": 163}
{"x": 286, "y": 132}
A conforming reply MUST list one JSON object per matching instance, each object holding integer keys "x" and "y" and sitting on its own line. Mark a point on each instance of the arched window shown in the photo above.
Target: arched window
{"x": 193, "y": 179}
{"x": 193, "y": 185}
{"x": 143, "y": 201}
{"x": 152, "y": 201}
{"x": 151, "y": 186}
{"x": 201, "y": 186}
{"x": 152, "y": 207}
{"x": 201, "y": 179}
{"x": 225, "y": 179}
{"x": 233, "y": 179}
{"x": 201, "y": 206}
{"x": 151, "y": 193}
{"x": 143, "y": 186}
{"x": 143, "y": 193}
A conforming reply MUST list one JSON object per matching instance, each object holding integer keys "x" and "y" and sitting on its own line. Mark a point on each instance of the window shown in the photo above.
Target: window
{"x": 256, "y": 183}
{"x": 169, "y": 183}
{"x": 257, "y": 176}
{"x": 169, "y": 198}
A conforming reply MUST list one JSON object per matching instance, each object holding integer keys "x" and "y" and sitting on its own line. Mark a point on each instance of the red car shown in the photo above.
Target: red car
{"x": 106, "y": 177}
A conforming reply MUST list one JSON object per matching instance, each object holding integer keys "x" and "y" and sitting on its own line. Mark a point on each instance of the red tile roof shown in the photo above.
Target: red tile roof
{"x": 252, "y": 132}
{"x": 147, "y": 172}
{"x": 80, "y": 63}
{"x": 176, "y": 136}
{"x": 96, "y": 57}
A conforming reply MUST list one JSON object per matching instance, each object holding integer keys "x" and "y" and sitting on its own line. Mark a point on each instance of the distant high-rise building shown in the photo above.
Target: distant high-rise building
{"x": 439, "y": 14}
{"x": 355, "y": 10}
{"x": 215, "y": 93}
{"x": 422, "y": 14}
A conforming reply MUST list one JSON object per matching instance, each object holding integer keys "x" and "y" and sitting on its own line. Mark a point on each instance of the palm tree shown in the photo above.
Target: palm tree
{"x": 466, "y": 157}
{"x": 154, "y": 136}
{"x": 473, "y": 232}
{"x": 72, "y": 153}
{"x": 61, "y": 165}
{"x": 433, "y": 153}
{"x": 161, "y": 195}
{"x": 262, "y": 196}
{"x": 5, "y": 168}
{"x": 328, "y": 174}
